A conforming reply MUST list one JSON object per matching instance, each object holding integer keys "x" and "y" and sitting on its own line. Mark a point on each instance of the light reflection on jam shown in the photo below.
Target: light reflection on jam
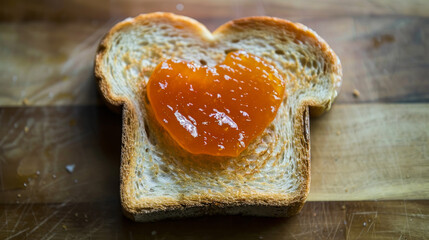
{"x": 216, "y": 110}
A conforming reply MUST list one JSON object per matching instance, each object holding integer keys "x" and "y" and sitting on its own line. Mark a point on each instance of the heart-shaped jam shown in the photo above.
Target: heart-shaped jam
{"x": 216, "y": 110}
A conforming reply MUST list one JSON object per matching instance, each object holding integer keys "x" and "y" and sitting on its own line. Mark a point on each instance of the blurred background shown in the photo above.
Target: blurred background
{"x": 60, "y": 145}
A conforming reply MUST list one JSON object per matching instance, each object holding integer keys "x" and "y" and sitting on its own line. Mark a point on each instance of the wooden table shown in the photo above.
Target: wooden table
{"x": 370, "y": 154}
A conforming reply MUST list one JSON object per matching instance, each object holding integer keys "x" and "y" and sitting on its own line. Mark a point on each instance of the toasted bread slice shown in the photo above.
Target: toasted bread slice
{"x": 272, "y": 176}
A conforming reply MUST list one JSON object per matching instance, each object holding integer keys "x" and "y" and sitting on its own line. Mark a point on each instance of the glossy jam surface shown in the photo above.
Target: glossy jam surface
{"x": 216, "y": 110}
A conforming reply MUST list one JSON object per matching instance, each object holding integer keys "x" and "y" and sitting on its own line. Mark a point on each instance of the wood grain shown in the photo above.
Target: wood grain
{"x": 351, "y": 160}
{"x": 37, "y": 144}
{"x": 371, "y": 151}
{"x": 75, "y": 10}
{"x": 47, "y": 64}
{"x": 52, "y": 64}
{"x": 318, "y": 220}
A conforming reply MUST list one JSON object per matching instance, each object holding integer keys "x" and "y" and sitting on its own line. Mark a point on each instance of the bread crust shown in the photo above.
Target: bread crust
{"x": 244, "y": 203}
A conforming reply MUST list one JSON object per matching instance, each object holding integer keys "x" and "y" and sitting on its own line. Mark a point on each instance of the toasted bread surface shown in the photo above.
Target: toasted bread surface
{"x": 272, "y": 176}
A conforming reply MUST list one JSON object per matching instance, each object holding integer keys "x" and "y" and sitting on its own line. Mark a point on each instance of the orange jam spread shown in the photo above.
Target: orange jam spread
{"x": 216, "y": 110}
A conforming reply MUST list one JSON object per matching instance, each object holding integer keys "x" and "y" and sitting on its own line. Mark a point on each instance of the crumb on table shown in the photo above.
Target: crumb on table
{"x": 356, "y": 93}
{"x": 25, "y": 102}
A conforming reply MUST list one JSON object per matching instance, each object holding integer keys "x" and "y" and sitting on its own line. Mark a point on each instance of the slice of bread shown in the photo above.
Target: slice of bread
{"x": 272, "y": 176}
